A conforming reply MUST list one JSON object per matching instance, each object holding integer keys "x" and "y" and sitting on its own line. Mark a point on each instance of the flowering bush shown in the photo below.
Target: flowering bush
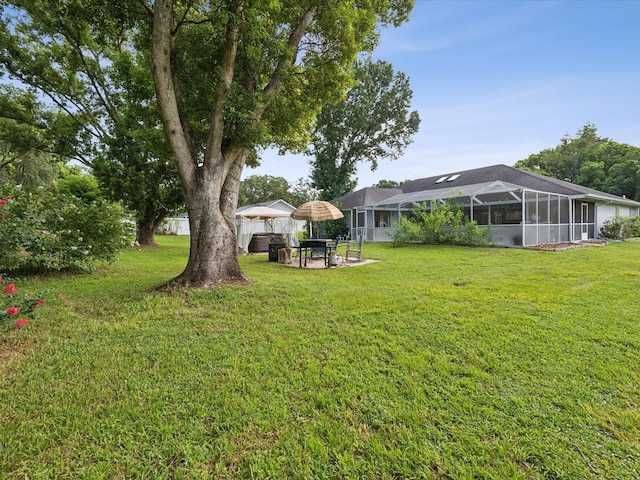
{"x": 16, "y": 308}
{"x": 43, "y": 231}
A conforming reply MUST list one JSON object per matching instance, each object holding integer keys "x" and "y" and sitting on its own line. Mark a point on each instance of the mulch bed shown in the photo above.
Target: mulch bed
{"x": 566, "y": 245}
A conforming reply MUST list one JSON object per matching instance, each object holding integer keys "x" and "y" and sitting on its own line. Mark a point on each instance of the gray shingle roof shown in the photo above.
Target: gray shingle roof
{"x": 451, "y": 181}
{"x": 365, "y": 196}
{"x": 508, "y": 174}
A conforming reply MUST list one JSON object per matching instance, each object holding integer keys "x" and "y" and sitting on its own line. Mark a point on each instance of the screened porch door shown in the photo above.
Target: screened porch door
{"x": 584, "y": 220}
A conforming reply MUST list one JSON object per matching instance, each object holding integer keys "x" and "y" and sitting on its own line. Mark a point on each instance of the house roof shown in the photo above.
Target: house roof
{"x": 454, "y": 181}
{"x": 278, "y": 204}
{"x": 365, "y": 196}
{"x": 261, "y": 212}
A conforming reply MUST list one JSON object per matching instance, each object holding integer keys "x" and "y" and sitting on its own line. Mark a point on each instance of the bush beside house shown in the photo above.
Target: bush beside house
{"x": 620, "y": 228}
{"x": 445, "y": 223}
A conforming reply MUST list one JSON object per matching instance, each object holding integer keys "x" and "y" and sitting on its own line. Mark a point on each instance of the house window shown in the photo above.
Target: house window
{"x": 481, "y": 215}
{"x": 509, "y": 214}
{"x": 382, "y": 219}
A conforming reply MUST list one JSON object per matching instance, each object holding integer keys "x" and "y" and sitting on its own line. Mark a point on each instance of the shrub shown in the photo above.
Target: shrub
{"x": 43, "y": 231}
{"x": 444, "y": 223}
{"x": 631, "y": 227}
{"x": 620, "y": 228}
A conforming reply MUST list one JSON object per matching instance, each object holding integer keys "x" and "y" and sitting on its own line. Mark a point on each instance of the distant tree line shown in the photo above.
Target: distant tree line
{"x": 264, "y": 188}
{"x": 591, "y": 161}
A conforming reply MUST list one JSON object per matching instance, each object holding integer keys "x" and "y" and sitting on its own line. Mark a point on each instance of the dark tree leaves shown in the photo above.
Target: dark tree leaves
{"x": 592, "y": 161}
{"x": 372, "y": 123}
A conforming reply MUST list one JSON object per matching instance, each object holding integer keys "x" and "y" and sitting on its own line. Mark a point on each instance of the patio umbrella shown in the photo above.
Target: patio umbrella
{"x": 316, "y": 211}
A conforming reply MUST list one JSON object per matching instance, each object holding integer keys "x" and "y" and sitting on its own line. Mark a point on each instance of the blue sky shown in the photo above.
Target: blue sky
{"x": 495, "y": 81}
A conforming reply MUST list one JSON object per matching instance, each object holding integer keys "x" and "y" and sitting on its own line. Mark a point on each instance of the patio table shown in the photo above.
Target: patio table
{"x": 308, "y": 245}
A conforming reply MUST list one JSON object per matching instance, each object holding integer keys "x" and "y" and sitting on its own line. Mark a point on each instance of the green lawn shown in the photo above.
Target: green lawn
{"x": 436, "y": 362}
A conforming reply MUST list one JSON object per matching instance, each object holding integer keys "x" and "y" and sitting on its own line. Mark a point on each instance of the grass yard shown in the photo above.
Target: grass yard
{"x": 436, "y": 362}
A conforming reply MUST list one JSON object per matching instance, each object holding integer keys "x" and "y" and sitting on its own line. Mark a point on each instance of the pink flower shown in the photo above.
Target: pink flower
{"x": 10, "y": 289}
{"x": 3, "y": 202}
{"x": 40, "y": 302}
{"x": 11, "y": 311}
{"x": 21, "y": 323}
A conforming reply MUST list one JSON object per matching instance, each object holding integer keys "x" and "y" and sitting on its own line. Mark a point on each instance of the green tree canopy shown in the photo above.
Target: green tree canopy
{"x": 263, "y": 188}
{"x": 372, "y": 123}
{"x": 591, "y": 161}
{"x": 25, "y": 143}
{"x": 80, "y": 56}
{"x": 82, "y": 186}
{"x": 387, "y": 184}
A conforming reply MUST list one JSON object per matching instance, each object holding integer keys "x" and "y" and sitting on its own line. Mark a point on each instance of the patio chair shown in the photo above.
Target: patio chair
{"x": 354, "y": 250}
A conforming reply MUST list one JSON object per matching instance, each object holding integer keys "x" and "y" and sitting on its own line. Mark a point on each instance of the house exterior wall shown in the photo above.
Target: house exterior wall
{"x": 608, "y": 211}
{"x": 175, "y": 226}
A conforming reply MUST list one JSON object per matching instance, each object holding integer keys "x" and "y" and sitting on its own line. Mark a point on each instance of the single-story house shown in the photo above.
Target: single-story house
{"x": 518, "y": 207}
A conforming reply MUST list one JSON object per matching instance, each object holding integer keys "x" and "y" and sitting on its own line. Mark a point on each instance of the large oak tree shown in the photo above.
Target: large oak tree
{"x": 232, "y": 75}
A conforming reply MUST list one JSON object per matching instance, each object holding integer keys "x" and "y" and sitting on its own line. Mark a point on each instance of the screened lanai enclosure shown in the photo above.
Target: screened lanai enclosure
{"x": 513, "y": 215}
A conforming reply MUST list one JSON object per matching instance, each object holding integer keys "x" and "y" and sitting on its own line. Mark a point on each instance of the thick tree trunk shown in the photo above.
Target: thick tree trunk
{"x": 210, "y": 183}
{"x": 145, "y": 233}
{"x": 146, "y": 226}
{"x": 213, "y": 259}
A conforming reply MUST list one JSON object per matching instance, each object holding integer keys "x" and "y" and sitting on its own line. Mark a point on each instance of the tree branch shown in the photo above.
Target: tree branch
{"x": 227, "y": 69}
{"x": 288, "y": 58}
{"x": 147, "y": 6}
{"x": 165, "y": 84}
{"x": 98, "y": 87}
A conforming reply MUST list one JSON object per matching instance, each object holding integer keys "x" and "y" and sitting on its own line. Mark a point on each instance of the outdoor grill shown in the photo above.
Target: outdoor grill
{"x": 276, "y": 242}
